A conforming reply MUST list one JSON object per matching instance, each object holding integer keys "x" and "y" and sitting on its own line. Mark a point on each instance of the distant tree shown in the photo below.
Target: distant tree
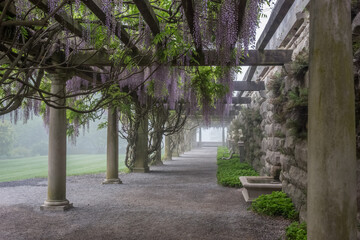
{"x": 7, "y": 138}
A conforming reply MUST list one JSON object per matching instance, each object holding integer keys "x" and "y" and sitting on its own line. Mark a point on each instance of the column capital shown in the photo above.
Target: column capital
{"x": 58, "y": 77}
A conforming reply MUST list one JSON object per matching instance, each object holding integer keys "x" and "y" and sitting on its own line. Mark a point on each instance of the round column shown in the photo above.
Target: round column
{"x": 112, "y": 150}
{"x": 56, "y": 199}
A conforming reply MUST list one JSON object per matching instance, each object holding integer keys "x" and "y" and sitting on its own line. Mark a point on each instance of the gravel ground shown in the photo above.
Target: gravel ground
{"x": 180, "y": 200}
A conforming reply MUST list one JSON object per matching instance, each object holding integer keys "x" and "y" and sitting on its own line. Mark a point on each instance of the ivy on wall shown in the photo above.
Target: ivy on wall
{"x": 291, "y": 107}
{"x": 252, "y": 135}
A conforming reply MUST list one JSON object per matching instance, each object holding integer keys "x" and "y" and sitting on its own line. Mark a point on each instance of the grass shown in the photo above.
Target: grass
{"x": 34, "y": 167}
{"x": 229, "y": 170}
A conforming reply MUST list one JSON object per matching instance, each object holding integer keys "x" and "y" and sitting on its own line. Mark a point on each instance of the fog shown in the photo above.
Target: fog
{"x": 31, "y": 139}
{"x": 211, "y": 134}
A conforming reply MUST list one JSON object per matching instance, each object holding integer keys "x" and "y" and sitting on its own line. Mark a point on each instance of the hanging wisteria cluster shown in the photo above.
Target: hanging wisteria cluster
{"x": 215, "y": 28}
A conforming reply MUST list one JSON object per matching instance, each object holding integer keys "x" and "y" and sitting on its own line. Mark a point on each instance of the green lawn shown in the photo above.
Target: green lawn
{"x": 32, "y": 167}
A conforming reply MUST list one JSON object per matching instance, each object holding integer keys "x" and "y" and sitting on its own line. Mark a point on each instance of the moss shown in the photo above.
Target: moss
{"x": 279, "y": 134}
{"x": 253, "y": 135}
{"x": 287, "y": 151}
{"x": 300, "y": 66}
{"x": 291, "y": 108}
{"x": 297, "y": 107}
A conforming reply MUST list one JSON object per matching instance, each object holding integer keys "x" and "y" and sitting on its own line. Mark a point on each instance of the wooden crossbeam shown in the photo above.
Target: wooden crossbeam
{"x": 277, "y": 15}
{"x": 149, "y": 15}
{"x": 241, "y": 100}
{"x": 94, "y": 6}
{"x": 279, "y": 12}
{"x": 248, "y": 86}
{"x": 66, "y": 21}
{"x": 241, "y": 10}
{"x": 264, "y": 58}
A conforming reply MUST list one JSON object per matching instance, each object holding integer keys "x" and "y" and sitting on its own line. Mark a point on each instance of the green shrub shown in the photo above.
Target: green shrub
{"x": 229, "y": 170}
{"x": 296, "y": 231}
{"x": 275, "y": 204}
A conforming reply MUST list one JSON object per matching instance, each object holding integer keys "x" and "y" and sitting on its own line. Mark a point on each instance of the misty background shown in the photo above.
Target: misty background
{"x": 31, "y": 139}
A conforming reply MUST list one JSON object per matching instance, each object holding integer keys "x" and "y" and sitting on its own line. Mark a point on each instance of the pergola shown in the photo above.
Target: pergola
{"x": 331, "y": 140}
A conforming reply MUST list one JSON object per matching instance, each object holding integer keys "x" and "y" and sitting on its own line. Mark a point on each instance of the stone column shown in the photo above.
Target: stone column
{"x": 167, "y": 152}
{"x": 56, "y": 198}
{"x": 223, "y": 135}
{"x": 331, "y": 199}
{"x": 193, "y": 138}
{"x": 176, "y": 142}
{"x": 141, "y": 152}
{"x": 112, "y": 150}
{"x": 200, "y": 140}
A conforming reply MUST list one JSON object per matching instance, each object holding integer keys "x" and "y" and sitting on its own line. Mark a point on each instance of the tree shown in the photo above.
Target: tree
{"x": 7, "y": 138}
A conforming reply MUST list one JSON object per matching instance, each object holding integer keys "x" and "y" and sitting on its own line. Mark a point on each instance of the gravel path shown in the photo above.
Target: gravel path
{"x": 180, "y": 200}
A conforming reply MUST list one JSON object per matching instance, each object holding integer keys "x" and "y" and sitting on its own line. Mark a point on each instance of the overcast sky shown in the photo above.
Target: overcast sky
{"x": 263, "y": 22}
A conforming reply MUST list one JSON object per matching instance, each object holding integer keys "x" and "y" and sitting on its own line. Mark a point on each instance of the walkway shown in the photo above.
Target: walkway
{"x": 180, "y": 200}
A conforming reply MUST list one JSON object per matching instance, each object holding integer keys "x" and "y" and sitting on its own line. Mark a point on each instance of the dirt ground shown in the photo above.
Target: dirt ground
{"x": 180, "y": 200}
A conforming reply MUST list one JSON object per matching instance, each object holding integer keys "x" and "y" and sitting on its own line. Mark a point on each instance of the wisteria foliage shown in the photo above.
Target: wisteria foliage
{"x": 215, "y": 28}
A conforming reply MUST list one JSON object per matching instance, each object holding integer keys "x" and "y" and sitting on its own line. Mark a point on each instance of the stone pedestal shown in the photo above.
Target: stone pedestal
{"x": 112, "y": 152}
{"x": 56, "y": 199}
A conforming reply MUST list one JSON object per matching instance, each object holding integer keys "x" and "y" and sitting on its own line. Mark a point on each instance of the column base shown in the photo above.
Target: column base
{"x": 141, "y": 170}
{"x": 112, "y": 181}
{"x": 56, "y": 205}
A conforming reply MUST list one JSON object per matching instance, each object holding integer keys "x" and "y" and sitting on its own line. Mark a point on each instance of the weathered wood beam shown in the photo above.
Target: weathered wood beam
{"x": 264, "y": 58}
{"x": 277, "y": 15}
{"x": 66, "y": 21}
{"x": 148, "y": 14}
{"x": 95, "y": 7}
{"x": 279, "y": 12}
{"x": 241, "y": 10}
{"x": 248, "y": 86}
{"x": 241, "y": 100}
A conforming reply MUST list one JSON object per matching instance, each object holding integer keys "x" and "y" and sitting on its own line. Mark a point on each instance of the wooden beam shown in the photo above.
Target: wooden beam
{"x": 248, "y": 86}
{"x": 66, "y": 21}
{"x": 254, "y": 58}
{"x": 94, "y": 6}
{"x": 149, "y": 15}
{"x": 264, "y": 58}
{"x": 277, "y": 15}
{"x": 279, "y": 12}
{"x": 241, "y": 100}
{"x": 241, "y": 10}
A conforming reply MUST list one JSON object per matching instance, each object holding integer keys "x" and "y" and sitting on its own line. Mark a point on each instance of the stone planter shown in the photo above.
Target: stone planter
{"x": 254, "y": 186}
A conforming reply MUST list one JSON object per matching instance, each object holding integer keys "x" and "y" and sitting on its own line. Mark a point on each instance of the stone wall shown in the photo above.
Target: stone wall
{"x": 283, "y": 143}
{"x": 283, "y": 147}
{"x": 284, "y": 150}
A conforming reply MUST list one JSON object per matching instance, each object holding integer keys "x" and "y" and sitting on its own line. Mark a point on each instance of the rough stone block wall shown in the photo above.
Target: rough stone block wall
{"x": 284, "y": 155}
